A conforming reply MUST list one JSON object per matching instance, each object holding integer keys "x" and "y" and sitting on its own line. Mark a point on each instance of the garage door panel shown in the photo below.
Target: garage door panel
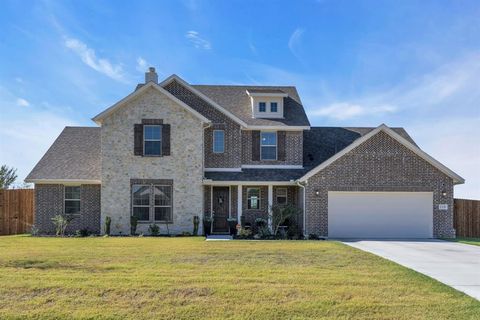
{"x": 380, "y": 214}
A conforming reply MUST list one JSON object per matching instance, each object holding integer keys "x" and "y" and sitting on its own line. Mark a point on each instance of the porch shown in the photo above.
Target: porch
{"x": 230, "y": 203}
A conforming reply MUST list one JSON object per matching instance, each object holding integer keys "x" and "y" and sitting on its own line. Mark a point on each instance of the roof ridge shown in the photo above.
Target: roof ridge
{"x": 242, "y": 85}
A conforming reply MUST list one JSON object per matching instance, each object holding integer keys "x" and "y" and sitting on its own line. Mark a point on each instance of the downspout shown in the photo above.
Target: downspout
{"x": 302, "y": 185}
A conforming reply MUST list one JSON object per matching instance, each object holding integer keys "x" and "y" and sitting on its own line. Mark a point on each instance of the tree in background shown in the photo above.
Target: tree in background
{"x": 7, "y": 176}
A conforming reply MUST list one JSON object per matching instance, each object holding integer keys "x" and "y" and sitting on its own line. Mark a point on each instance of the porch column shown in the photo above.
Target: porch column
{"x": 270, "y": 204}
{"x": 239, "y": 203}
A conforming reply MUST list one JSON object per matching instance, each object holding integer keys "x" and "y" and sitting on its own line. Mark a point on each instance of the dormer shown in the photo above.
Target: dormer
{"x": 267, "y": 103}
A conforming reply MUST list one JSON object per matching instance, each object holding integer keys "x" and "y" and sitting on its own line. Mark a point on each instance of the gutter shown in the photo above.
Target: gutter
{"x": 302, "y": 185}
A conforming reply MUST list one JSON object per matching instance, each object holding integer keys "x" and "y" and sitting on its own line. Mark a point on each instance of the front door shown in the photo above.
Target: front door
{"x": 221, "y": 207}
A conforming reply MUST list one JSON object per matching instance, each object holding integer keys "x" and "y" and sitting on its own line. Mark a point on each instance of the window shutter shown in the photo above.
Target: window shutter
{"x": 255, "y": 145}
{"x": 281, "y": 145}
{"x": 138, "y": 139}
{"x": 165, "y": 140}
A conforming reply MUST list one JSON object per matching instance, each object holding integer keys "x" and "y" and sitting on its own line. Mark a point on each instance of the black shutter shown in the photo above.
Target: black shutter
{"x": 138, "y": 139}
{"x": 281, "y": 145}
{"x": 255, "y": 145}
{"x": 165, "y": 140}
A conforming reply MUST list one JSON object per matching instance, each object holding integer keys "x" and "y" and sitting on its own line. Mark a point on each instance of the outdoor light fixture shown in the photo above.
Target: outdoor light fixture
{"x": 317, "y": 192}
{"x": 444, "y": 193}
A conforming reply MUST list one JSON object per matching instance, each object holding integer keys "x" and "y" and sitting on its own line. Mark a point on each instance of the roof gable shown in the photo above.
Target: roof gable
{"x": 99, "y": 118}
{"x": 402, "y": 140}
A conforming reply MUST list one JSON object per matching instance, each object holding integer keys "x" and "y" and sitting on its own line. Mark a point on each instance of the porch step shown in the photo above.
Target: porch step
{"x": 219, "y": 237}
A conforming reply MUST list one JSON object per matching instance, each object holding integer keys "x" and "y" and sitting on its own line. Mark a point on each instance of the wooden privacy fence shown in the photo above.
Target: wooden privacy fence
{"x": 466, "y": 219}
{"x": 16, "y": 211}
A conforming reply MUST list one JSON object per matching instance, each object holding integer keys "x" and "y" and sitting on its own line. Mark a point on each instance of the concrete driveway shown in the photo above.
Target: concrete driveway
{"x": 454, "y": 264}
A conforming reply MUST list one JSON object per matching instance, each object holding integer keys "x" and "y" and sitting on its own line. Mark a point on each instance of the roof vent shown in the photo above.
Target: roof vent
{"x": 151, "y": 75}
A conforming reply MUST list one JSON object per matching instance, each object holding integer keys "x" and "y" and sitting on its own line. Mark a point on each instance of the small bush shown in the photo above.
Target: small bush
{"x": 313, "y": 236}
{"x": 82, "y": 233}
{"x": 264, "y": 233}
{"x": 196, "y": 223}
{"x": 260, "y": 223}
{"x": 244, "y": 233}
{"x": 61, "y": 223}
{"x": 108, "y": 222}
{"x": 186, "y": 234}
{"x": 34, "y": 231}
{"x": 154, "y": 230}
{"x": 133, "y": 225}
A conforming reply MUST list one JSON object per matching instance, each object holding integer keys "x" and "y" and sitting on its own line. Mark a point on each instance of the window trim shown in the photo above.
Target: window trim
{"x": 145, "y": 140}
{"x": 269, "y": 145}
{"x": 282, "y": 196}
{"x": 65, "y": 199}
{"x": 271, "y": 107}
{"x": 264, "y": 104}
{"x": 258, "y": 201}
{"x": 223, "y": 142}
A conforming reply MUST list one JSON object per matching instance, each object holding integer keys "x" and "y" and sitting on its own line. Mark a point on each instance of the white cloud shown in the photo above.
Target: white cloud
{"x": 294, "y": 43}
{"x": 197, "y": 41}
{"x": 22, "y": 102}
{"x": 141, "y": 64}
{"x": 89, "y": 57}
{"x": 345, "y": 110}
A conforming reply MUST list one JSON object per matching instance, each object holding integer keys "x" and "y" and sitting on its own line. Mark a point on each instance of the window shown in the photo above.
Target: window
{"x": 253, "y": 198}
{"x": 141, "y": 202}
{"x": 262, "y": 107}
{"x": 152, "y": 202}
{"x": 218, "y": 141}
{"x": 163, "y": 203}
{"x": 268, "y": 145}
{"x": 152, "y": 140}
{"x": 281, "y": 196}
{"x": 72, "y": 200}
{"x": 273, "y": 107}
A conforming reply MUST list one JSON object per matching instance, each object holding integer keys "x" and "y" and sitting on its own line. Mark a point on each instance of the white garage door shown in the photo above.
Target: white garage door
{"x": 380, "y": 214}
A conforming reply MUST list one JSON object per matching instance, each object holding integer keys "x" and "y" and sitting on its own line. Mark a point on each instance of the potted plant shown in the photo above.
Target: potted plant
{"x": 232, "y": 226}
{"x": 207, "y": 224}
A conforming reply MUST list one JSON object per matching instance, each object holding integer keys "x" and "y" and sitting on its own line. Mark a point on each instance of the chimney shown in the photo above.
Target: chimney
{"x": 151, "y": 75}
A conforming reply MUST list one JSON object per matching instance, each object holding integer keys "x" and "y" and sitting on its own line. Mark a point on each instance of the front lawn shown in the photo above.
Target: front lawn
{"x": 188, "y": 278}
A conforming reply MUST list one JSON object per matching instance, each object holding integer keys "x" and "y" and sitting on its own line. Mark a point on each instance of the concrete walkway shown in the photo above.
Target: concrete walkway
{"x": 455, "y": 264}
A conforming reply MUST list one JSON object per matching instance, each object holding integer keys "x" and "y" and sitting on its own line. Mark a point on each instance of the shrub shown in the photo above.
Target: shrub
{"x": 244, "y": 233}
{"x": 61, "y": 223}
{"x": 108, "y": 222}
{"x": 260, "y": 223}
{"x": 82, "y": 233}
{"x": 280, "y": 214}
{"x": 154, "y": 229}
{"x": 313, "y": 236}
{"x": 133, "y": 225}
{"x": 34, "y": 230}
{"x": 264, "y": 233}
{"x": 186, "y": 234}
{"x": 196, "y": 223}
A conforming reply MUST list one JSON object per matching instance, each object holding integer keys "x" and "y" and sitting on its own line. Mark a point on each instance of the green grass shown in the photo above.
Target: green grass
{"x": 188, "y": 278}
{"x": 474, "y": 241}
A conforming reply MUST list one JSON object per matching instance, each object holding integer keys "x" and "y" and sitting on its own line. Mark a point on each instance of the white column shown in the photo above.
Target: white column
{"x": 239, "y": 203}
{"x": 270, "y": 204}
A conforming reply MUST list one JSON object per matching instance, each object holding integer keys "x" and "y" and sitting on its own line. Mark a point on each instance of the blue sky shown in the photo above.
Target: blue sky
{"x": 414, "y": 64}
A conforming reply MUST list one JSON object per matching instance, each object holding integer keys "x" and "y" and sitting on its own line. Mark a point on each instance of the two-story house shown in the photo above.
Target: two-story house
{"x": 170, "y": 151}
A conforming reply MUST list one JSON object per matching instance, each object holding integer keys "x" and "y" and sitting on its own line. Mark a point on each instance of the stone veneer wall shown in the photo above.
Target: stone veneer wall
{"x": 183, "y": 166}
{"x": 231, "y": 158}
{"x": 379, "y": 164}
{"x": 49, "y": 201}
{"x": 293, "y": 149}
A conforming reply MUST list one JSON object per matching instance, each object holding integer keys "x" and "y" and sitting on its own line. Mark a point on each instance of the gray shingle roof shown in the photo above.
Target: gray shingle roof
{"x": 236, "y": 100}
{"x": 257, "y": 175}
{"x": 75, "y": 154}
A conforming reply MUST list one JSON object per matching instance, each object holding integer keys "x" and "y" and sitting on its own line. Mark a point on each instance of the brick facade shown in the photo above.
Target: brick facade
{"x": 49, "y": 202}
{"x": 293, "y": 149}
{"x": 231, "y": 158}
{"x": 379, "y": 164}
